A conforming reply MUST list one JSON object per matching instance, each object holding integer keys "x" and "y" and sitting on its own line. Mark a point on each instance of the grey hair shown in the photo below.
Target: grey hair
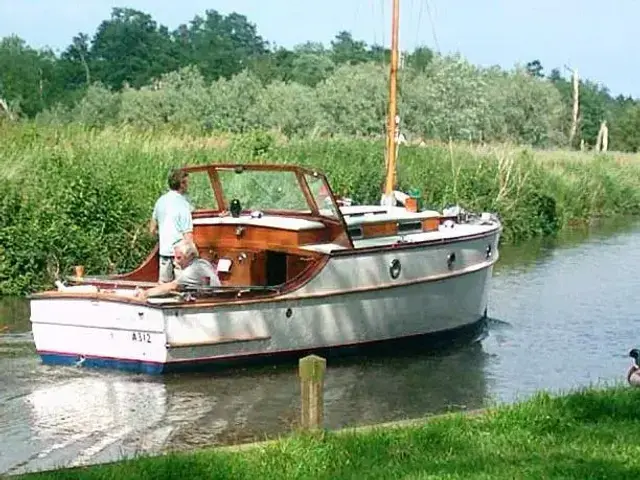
{"x": 187, "y": 248}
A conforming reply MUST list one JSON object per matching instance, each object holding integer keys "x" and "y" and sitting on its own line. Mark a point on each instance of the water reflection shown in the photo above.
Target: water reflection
{"x": 75, "y": 416}
{"x": 572, "y": 319}
{"x": 14, "y": 315}
{"x": 92, "y": 413}
{"x": 523, "y": 257}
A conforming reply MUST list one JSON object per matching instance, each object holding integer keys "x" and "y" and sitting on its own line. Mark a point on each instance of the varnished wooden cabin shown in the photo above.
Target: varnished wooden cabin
{"x": 274, "y": 243}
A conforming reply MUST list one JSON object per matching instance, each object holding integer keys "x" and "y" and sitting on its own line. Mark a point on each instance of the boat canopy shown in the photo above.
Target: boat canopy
{"x": 261, "y": 188}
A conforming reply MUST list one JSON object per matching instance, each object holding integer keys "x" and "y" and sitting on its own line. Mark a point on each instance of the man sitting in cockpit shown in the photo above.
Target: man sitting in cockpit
{"x": 196, "y": 272}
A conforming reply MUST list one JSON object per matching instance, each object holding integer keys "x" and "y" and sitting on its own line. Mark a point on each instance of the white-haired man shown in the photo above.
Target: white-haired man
{"x": 195, "y": 272}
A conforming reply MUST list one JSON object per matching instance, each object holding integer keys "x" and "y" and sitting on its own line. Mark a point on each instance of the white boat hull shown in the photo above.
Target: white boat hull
{"x": 353, "y": 301}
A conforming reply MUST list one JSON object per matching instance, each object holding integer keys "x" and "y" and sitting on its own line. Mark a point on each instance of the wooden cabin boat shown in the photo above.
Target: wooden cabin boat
{"x": 299, "y": 274}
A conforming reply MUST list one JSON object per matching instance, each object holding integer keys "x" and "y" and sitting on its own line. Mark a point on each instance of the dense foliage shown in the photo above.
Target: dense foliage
{"x": 218, "y": 74}
{"x": 71, "y": 195}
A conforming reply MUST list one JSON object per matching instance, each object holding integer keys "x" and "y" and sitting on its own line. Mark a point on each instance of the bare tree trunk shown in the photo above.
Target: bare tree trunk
{"x": 86, "y": 68}
{"x": 574, "y": 121}
{"x": 602, "y": 142}
{"x": 5, "y": 108}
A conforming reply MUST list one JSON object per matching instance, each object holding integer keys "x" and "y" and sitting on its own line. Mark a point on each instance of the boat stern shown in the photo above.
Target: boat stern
{"x": 96, "y": 330}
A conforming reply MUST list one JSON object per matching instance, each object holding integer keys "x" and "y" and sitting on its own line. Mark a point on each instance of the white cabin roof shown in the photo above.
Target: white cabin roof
{"x": 359, "y": 214}
{"x": 272, "y": 221}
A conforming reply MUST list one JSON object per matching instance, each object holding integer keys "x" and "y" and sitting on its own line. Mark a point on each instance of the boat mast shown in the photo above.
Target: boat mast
{"x": 391, "y": 120}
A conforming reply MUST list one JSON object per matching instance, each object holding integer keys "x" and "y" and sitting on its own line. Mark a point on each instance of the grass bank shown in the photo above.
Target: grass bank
{"x": 585, "y": 434}
{"x": 70, "y": 195}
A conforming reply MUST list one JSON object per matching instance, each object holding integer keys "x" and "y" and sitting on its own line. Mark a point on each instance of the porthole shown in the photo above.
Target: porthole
{"x": 395, "y": 268}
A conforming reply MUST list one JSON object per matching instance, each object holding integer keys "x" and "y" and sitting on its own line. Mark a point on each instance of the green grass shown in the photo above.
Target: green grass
{"x": 585, "y": 434}
{"x": 71, "y": 195}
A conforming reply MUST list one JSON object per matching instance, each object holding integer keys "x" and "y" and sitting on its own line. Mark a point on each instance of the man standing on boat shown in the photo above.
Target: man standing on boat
{"x": 196, "y": 272}
{"x": 171, "y": 221}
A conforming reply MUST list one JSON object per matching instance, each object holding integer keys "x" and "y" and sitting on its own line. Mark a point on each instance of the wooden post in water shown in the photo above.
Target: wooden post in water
{"x": 311, "y": 370}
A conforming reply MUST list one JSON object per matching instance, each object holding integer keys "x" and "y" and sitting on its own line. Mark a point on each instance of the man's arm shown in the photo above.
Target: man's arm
{"x": 153, "y": 227}
{"x": 158, "y": 290}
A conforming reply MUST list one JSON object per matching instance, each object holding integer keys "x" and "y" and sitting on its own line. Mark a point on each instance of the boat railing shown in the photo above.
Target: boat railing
{"x": 106, "y": 280}
{"x": 193, "y": 294}
{"x": 114, "y": 283}
{"x": 237, "y": 290}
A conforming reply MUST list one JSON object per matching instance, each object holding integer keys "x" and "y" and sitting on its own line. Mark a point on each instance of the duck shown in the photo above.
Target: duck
{"x": 633, "y": 375}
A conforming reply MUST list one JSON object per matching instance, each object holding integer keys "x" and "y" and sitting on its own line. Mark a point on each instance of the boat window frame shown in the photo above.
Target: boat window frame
{"x": 299, "y": 172}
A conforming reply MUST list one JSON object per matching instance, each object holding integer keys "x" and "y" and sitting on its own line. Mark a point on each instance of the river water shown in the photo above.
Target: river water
{"x": 564, "y": 315}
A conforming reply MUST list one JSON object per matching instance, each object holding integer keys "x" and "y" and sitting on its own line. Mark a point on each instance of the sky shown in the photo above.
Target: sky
{"x": 597, "y": 38}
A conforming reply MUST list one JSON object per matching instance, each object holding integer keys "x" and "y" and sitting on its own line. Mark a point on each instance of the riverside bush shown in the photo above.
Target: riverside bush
{"x": 76, "y": 195}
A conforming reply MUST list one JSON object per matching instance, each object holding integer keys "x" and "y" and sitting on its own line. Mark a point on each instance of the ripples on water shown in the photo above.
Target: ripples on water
{"x": 573, "y": 318}
{"x": 564, "y": 313}
{"x": 70, "y": 415}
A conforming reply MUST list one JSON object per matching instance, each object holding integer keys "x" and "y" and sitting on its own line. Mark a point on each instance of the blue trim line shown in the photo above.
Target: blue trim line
{"x": 97, "y": 362}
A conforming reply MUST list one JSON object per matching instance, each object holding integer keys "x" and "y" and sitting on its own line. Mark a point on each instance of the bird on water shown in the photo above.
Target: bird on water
{"x": 633, "y": 375}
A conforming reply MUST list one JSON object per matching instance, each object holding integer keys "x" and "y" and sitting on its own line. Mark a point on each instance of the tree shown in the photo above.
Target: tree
{"x": 595, "y": 103}
{"x": 75, "y": 61}
{"x": 220, "y": 46}
{"x": 27, "y": 76}
{"x": 347, "y": 50}
{"x": 276, "y": 65}
{"x": 420, "y": 59}
{"x": 311, "y": 65}
{"x": 131, "y": 48}
{"x": 625, "y": 132}
{"x": 534, "y": 68}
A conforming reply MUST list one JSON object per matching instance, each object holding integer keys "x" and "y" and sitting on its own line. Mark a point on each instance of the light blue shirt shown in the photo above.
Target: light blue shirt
{"x": 172, "y": 212}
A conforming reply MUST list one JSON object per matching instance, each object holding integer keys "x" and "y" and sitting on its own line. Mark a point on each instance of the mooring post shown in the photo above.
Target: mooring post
{"x": 311, "y": 370}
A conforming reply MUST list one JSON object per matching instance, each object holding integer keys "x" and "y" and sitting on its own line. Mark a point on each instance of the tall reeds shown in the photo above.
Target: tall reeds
{"x": 73, "y": 195}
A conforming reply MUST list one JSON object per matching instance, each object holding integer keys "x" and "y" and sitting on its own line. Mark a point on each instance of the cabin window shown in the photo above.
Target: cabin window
{"x": 355, "y": 232}
{"x": 321, "y": 196}
{"x": 264, "y": 189}
{"x": 200, "y": 193}
{"x": 409, "y": 227}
